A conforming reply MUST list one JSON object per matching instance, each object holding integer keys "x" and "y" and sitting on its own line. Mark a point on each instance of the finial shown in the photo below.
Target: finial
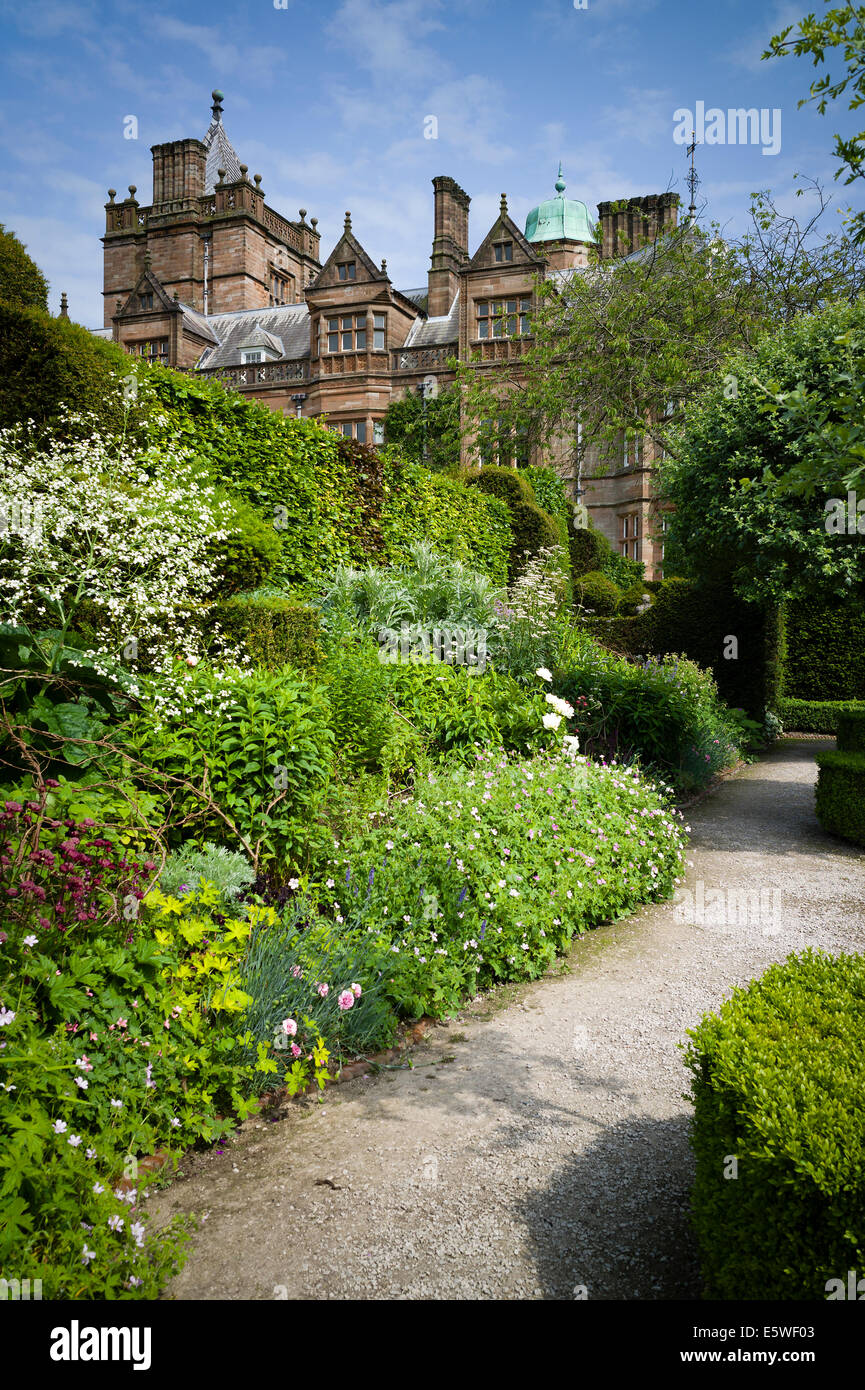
{"x": 112, "y": 194}
{"x": 221, "y": 173}
{"x": 384, "y": 267}
{"x": 302, "y": 212}
{"x": 244, "y": 170}
{"x": 257, "y": 178}
{"x": 118, "y": 306}
{"x": 313, "y": 222}
{"x": 216, "y": 108}
{"x": 560, "y": 183}
{"x": 503, "y": 205}
{"x": 347, "y": 227}
{"x": 176, "y": 296}
{"x": 64, "y": 306}
{"x": 147, "y": 259}
{"x": 132, "y": 191}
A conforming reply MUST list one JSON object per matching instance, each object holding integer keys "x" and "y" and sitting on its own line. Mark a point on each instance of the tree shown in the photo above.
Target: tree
{"x": 21, "y": 281}
{"x": 732, "y": 515}
{"x": 615, "y": 345}
{"x": 844, "y": 27}
{"x": 427, "y": 430}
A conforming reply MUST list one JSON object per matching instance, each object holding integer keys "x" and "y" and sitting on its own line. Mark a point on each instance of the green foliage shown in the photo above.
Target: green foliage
{"x": 534, "y": 531}
{"x": 825, "y": 651}
{"x": 698, "y": 619}
{"x": 812, "y": 716}
{"x": 22, "y": 283}
{"x": 251, "y": 552}
{"x": 429, "y": 588}
{"x": 666, "y": 713}
{"x": 840, "y": 803}
{"x": 510, "y": 485}
{"x": 367, "y": 733}
{"x": 50, "y": 365}
{"x": 549, "y": 490}
{"x": 189, "y": 868}
{"x": 598, "y": 593}
{"x": 456, "y": 520}
{"x": 851, "y": 730}
{"x": 493, "y": 869}
{"x": 456, "y": 711}
{"x": 778, "y": 1083}
{"x": 589, "y": 550}
{"x": 273, "y": 630}
{"x": 245, "y": 755}
{"x": 750, "y": 482}
{"x": 426, "y": 433}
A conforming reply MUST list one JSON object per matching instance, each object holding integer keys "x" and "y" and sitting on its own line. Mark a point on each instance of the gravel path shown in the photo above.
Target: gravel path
{"x": 539, "y": 1145}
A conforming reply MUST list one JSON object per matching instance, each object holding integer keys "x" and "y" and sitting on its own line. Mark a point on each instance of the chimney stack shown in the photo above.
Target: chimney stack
{"x": 178, "y": 172}
{"x": 64, "y": 306}
{"x": 628, "y": 223}
{"x": 450, "y": 249}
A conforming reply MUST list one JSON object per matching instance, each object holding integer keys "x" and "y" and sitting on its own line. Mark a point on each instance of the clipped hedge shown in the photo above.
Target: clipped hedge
{"x": 778, "y": 1085}
{"x": 532, "y": 528}
{"x": 851, "y": 730}
{"x": 588, "y": 550}
{"x": 825, "y": 651}
{"x": 249, "y": 556}
{"x": 598, "y": 593}
{"x": 812, "y": 716}
{"x": 840, "y": 797}
{"x": 274, "y": 631}
{"x": 698, "y": 620}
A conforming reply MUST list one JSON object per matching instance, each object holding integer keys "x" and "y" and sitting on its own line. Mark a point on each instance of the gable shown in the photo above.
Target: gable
{"x": 504, "y": 231}
{"x": 348, "y": 252}
{"x": 154, "y": 296}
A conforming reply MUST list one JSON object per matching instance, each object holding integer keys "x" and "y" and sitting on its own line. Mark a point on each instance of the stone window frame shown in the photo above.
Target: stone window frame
{"x": 351, "y": 429}
{"x": 350, "y": 268}
{"x": 154, "y": 349}
{"x": 632, "y": 449}
{"x": 145, "y": 302}
{"x": 339, "y": 327}
{"x": 503, "y": 247}
{"x": 490, "y": 315}
{"x": 629, "y": 535}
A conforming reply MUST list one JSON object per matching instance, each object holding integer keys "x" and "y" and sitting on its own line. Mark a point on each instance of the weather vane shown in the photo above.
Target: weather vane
{"x": 693, "y": 178}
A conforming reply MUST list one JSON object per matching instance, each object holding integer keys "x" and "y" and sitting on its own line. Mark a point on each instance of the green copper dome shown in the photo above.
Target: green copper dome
{"x": 559, "y": 218}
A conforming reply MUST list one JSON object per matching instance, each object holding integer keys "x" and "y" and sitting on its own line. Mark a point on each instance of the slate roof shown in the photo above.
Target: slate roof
{"x": 418, "y": 297}
{"x": 432, "y": 332}
{"x": 220, "y": 155}
{"x": 284, "y": 328}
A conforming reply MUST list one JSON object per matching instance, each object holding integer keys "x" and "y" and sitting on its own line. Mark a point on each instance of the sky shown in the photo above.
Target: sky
{"x": 331, "y": 100}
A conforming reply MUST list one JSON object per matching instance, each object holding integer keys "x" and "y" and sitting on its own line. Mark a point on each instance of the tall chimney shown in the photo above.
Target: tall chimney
{"x": 178, "y": 172}
{"x": 450, "y": 249}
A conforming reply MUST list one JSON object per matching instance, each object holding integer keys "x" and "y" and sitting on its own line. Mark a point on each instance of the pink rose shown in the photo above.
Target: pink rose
{"x": 295, "y": 1050}
{"x": 346, "y": 999}
{"x": 357, "y": 991}
{"x": 289, "y": 1027}
{"x": 324, "y": 990}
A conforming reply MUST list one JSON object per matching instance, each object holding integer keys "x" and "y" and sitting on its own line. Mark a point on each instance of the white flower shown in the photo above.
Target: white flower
{"x": 30, "y": 940}
{"x": 552, "y": 721}
{"x": 294, "y": 884}
{"x": 544, "y": 674}
{"x": 570, "y": 745}
{"x": 561, "y": 706}
{"x": 59, "y": 1126}
{"x": 6, "y": 1016}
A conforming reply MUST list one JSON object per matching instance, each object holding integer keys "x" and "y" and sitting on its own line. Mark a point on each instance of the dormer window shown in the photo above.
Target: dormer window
{"x": 145, "y": 301}
{"x": 251, "y": 355}
{"x": 347, "y": 333}
{"x": 503, "y": 318}
{"x": 347, "y": 270}
{"x": 504, "y": 251}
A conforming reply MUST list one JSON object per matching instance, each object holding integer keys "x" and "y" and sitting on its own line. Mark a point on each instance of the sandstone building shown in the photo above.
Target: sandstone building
{"x": 209, "y": 278}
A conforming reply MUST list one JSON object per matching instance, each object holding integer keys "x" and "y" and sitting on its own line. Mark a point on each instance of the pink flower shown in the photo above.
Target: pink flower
{"x": 323, "y": 990}
{"x": 289, "y": 1027}
{"x": 356, "y": 990}
{"x": 346, "y": 1000}
{"x": 295, "y": 1050}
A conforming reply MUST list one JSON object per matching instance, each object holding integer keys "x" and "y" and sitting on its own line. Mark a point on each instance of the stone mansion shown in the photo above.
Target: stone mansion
{"x": 209, "y": 278}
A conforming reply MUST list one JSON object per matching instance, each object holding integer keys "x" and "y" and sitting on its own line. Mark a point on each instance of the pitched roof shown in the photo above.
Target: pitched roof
{"x": 220, "y": 155}
{"x": 284, "y": 329}
{"x": 432, "y": 332}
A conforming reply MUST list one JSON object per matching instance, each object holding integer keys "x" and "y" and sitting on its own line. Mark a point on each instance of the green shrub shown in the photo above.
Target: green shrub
{"x": 273, "y": 630}
{"x": 455, "y": 710}
{"x": 627, "y": 573}
{"x": 778, "y": 1085}
{"x": 812, "y": 716}
{"x": 50, "y": 365}
{"x": 840, "y": 803}
{"x": 192, "y": 866}
{"x": 597, "y": 593}
{"x": 245, "y": 756}
{"x": 589, "y": 550}
{"x": 247, "y": 557}
{"x": 550, "y": 494}
{"x": 364, "y": 724}
{"x": 461, "y": 522}
{"x": 825, "y": 651}
{"x": 509, "y": 484}
{"x": 664, "y": 712}
{"x": 851, "y": 730}
{"x": 533, "y": 531}
{"x": 21, "y": 281}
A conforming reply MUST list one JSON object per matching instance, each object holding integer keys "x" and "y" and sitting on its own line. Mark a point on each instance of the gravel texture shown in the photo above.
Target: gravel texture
{"x": 539, "y": 1146}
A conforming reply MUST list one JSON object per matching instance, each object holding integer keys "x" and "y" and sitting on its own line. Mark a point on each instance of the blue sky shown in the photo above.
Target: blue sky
{"x": 327, "y": 99}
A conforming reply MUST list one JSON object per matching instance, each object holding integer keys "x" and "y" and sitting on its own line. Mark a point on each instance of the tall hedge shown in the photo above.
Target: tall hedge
{"x": 533, "y": 529}
{"x": 699, "y": 621}
{"x": 825, "y": 651}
